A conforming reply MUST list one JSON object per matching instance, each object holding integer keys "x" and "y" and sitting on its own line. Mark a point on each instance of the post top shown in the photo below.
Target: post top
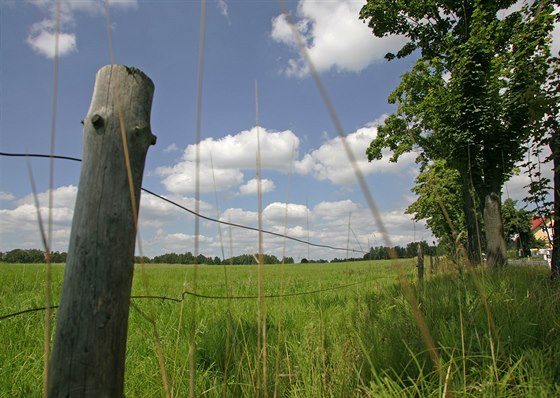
{"x": 131, "y": 70}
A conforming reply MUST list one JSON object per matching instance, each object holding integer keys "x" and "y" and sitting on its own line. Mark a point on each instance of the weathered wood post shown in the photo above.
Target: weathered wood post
{"x": 432, "y": 269}
{"x": 420, "y": 263}
{"x": 90, "y": 342}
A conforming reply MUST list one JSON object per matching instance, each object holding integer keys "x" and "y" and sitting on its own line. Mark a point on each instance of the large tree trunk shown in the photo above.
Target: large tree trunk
{"x": 555, "y": 261}
{"x": 471, "y": 224}
{"x": 493, "y": 225}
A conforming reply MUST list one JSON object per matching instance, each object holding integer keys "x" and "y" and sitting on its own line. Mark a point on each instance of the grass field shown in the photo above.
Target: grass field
{"x": 352, "y": 334}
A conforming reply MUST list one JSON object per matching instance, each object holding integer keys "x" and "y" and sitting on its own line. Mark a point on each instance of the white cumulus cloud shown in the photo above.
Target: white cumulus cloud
{"x": 223, "y": 160}
{"x": 155, "y": 212}
{"x": 43, "y": 42}
{"x": 43, "y": 34}
{"x": 251, "y": 187}
{"x": 223, "y": 8}
{"x": 181, "y": 178}
{"x": 63, "y": 197}
{"x": 6, "y": 196}
{"x": 338, "y": 210}
{"x": 333, "y": 36}
{"x": 330, "y": 161}
{"x": 19, "y": 227}
{"x": 285, "y": 213}
{"x": 240, "y": 216}
{"x": 171, "y": 148}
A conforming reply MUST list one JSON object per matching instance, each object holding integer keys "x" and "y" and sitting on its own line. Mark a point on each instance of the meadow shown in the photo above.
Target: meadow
{"x": 333, "y": 330}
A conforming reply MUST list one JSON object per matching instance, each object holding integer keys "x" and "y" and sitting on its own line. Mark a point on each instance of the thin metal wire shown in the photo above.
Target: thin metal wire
{"x": 186, "y": 293}
{"x": 194, "y": 213}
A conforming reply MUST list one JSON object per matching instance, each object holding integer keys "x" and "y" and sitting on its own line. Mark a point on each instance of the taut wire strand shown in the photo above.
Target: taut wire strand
{"x": 194, "y": 213}
{"x": 186, "y": 293}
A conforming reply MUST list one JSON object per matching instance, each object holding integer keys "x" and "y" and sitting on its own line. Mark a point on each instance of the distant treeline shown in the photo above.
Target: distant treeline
{"x": 410, "y": 251}
{"x": 23, "y": 256}
{"x": 375, "y": 253}
{"x": 31, "y": 256}
{"x": 189, "y": 258}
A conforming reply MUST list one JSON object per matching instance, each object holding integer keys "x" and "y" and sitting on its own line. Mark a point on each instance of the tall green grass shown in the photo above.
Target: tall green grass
{"x": 360, "y": 340}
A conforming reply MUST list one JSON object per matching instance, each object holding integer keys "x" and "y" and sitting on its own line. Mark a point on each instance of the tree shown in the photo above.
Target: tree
{"x": 439, "y": 202}
{"x": 467, "y": 99}
{"x": 24, "y": 256}
{"x": 377, "y": 253}
{"x": 411, "y": 250}
{"x": 555, "y": 261}
{"x": 138, "y": 260}
{"x": 546, "y": 133}
{"x": 517, "y": 227}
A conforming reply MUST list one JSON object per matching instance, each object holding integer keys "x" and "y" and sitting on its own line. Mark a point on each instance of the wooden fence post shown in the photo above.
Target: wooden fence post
{"x": 432, "y": 269}
{"x": 90, "y": 341}
{"x": 420, "y": 263}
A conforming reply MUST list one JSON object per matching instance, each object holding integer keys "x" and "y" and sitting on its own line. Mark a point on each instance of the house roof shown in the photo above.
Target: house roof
{"x": 536, "y": 223}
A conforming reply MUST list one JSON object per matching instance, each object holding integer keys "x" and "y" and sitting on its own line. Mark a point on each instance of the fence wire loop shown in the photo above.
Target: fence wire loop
{"x": 187, "y": 293}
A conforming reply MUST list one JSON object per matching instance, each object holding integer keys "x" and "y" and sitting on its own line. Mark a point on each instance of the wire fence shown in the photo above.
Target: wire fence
{"x": 188, "y": 293}
{"x": 195, "y": 213}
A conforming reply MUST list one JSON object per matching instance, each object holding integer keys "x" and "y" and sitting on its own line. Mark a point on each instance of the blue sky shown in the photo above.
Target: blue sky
{"x": 245, "y": 41}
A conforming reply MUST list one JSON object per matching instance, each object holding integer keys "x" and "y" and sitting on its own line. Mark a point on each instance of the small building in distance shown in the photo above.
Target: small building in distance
{"x": 542, "y": 230}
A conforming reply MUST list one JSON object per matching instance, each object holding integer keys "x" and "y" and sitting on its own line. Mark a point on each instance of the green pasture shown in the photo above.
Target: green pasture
{"x": 333, "y": 330}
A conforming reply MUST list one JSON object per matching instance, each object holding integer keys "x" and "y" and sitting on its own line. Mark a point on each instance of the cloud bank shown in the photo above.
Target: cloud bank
{"x": 333, "y": 37}
{"x": 224, "y": 161}
{"x": 225, "y": 164}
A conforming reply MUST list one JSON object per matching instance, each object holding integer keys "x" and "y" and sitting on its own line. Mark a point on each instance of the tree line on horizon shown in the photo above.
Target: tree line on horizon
{"x": 36, "y": 256}
{"x": 517, "y": 228}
